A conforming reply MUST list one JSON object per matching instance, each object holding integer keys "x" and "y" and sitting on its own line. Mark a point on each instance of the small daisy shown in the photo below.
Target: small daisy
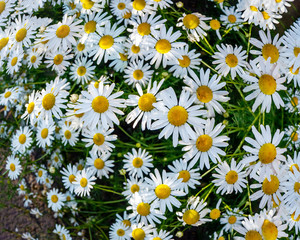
{"x": 56, "y": 159}
{"x": 119, "y": 8}
{"x": 69, "y": 135}
{"x": 264, "y": 152}
{"x": 163, "y": 190}
{"x": 142, "y": 7}
{"x": 251, "y": 228}
{"x": 62, "y": 232}
{"x": 41, "y": 175}
{"x": 232, "y": 220}
{"x": 194, "y": 212}
{"x": 229, "y": 59}
{"x": 187, "y": 174}
{"x": 293, "y": 162}
{"x": 250, "y": 9}
{"x": 163, "y": 48}
{"x": 232, "y": 18}
{"x": 84, "y": 182}
{"x": 230, "y": 178}
{"x": 21, "y": 140}
{"x": 162, "y": 234}
{"x": 292, "y": 102}
{"x": 100, "y": 139}
{"x": 144, "y": 105}
{"x": 119, "y": 64}
{"x": 68, "y": 177}
{"x": 44, "y": 135}
{"x": 119, "y": 231}
{"x": 82, "y": 71}
{"x": 205, "y": 144}
{"x": 89, "y": 7}
{"x": 100, "y": 165}
{"x": 9, "y": 96}
{"x": 22, "y": 187}
{"x": 133, "y": 185}
{"x": 216, "y": 25}
{"x": 292, "y": 137}
{"x": 140, "y": 231}
{"x": 175, "y": 117}
{"x": 194, "y": 24}
{"x": 55, "y": 199}
{"x": 80, "y": 50}
{"x": 216, "y": 213}
{"x": 14, "y": 62}
{"x": 138, "y": 72}
{"x": 138, "y": 163}
{"x": 135, "y": 52}
{"x": 266, "y": 83}
{"x": 34, "y": 58}
{"x": 59, "y": 60}
{"x": 13, "y": 166}
{"x": 208, "y": 91}
{"x": 36, "y": 212}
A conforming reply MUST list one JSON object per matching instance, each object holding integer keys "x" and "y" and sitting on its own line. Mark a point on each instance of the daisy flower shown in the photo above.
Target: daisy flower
{"x": 250, "y": 9}
{"x": 13, "y": 166}
{"x": 119, "y": 231}
{"x": 21, "y": 140}
{"x": 63, "y": 33}
{"x": 163, "y": 190}
{"x": 119, "y": 64}
{"x": 100, "y": 165}
{"x": 22, "y": 187}
{"x": 251, "y": 227}
{"x": 34, "y": 58}
{"x": 280, "y": 6}
{"x": 88, "y": 7}
{"x": 138, "y": 162}
{"x": 293, "y": 162}
{"x": 36, "y": 212}
{"x": 208, "y": 91}
{"x": 141, "y": 231}
{"x": 69, "y": 135}
{"x": 163, "y": 48}
{"x": 14, "y": 61}
{"x": 55, "y": 199}
{"x": 292, "y": 136}
{"x": 204, "y": 145}
{"x": 268, "y": 48}
{"x": 266, "y": 83}
{"x": 133, "y": 185}
{"x": 58, "y": 60}
{"x": 232, "y": 18}
{"x": 230, "y": 178}
{"x": 119, "y": 8}
{"x": 216, "y": 25}
{"x": 194, "y": 212}
{"x": 44, "y": 134}
{"x": 187, "y": 174}
{"x": 80, "y": 49}
{"x": 144, "y": 27}
{"x": 144, "y": 211}
{"x": 229, "y": 59}
{"x": 124, "y": 219}
{"x": 138, "y": 72}
{"x": 56, "y": 158}
{"x": 194, "y": 24}
{"x": 8, "y": 7}
{"x": 264, "y": 152}
{"x": 162, "y": 234}
{"x": 9, "y": 96}
{"x": 99, "y": 105}
{"x": 135, "y": 52}
{"x": 188, "y": 62}
{"x": 84, "y": 182}
{"x": 144, "y": 105}
{"x": 292, "y": 102}
{"x": 68, "y": 177}
{"x": 231, "y": 220}
{"x": 175, "y": 117}
{"x": 62, "y": 232}
{"x": 268, "y": 19}
{"x": 142, "y": 7}
{"x": 107, "y": 43}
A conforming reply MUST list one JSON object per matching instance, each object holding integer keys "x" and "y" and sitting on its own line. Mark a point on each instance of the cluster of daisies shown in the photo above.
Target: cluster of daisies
{"x": 78, "y": 108}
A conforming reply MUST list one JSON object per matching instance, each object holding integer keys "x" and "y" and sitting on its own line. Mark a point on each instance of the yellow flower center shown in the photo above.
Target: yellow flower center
{"x": 48, "y": 101}
{"x": 204, "y": 94}
{"x": 296, "y": 51}
{"x": 12, "y": 167}
{"x": 191, "y": 216}
{"x": 68, "y": 134}
{"x": 127, "y": 15}
{"x": 144, "y": 29}
{"x": 253, "y": 8}
{"x": 293, "y": 217}
{"x": 143, "y": 209}
{"x": 120, "y": 232}
{"x": 267, "y": 84}
{"x": 44, "y": 133}
{"x": 139, "y": 4}
{"x": 21, "y": 34}
{"x": 269, "y": 50}
{"x": 3, "y": 41}
{"x": 87, "y": 4}
{"x": 163, "y": 46}
{"x": 98, "y": 139}
{"x": 185, "y": 62}
{"x": 162, "y": 191}
{"x": 2, "y": 6}
{"x": 123, "y": 57}
{"x": 56, "y": 159}
{"x": 297, "y": 187}
{"x": 232, "y": 219}
{"x": 204, "y": 143}
{"x": 191, "y": 21}
{"x": 138, "y": 74}
{"x": 146, "y": 101}
{"x": 138, "y": 234}
{"x": 100, "y": 104}
{"x": 57, "y": 60}
{"x": 231, "y": 60}
{"x": 278, "y": 1}
{"x": 270, "y": 187}
{"x": 185, "y": 175}
{"x": 135, "y": 49}
{"x": 134, "y": 188}
{"x": 253, "y": 235}
{"x": 294, "y": 136}
{"x": 294, "y": 101}
{"x": 215, "y": 214}
{"x": 215, "y": 24}
{"x": 22, "y": 138}
{"x": 71, "y": 178}
{"x": 83, "y": 182}
{"x": 266, "y": 16}
{"x": 156, "y": 238}
{"x": 232, "y": 18}
{"x": 267, "y": 153}
{"x": 30, "y": 107}
{"x": 40, "y": 173}
{"x": 99, "y": 163}
{"x": 22, "y": 187}
{"x": 7, "y": 94}
{"x": 121, "y": 6}
{"x": 137, "y": 162}
{"x": 231, "y": 177}
{"x": 81, "y": 71}
{"x": 269, "y": 230}
{"x": 126, "y": 222}
{"x": 33, "y": 59}
{"x": 14, "y": 61}
{"x": 90, "y": 27}
{"x": 177, "y": 116}
{"x": 63, "y": 31}
{"x": 106, "y": 42}
{"x": 80, "y": 47}
{"x": 54, "y": 198}
{"x": 296, "y": 166}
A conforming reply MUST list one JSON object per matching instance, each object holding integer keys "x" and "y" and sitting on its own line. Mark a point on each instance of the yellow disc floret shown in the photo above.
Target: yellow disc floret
{"x": 270, "y": 187}
{"x": 98, "y": 139}
{"x": 21, "y": 34}
{"x": 44, "y": 133}
{"x": 138, "y": 74}
{"x": 54, "y": 198}
{"x": 267, "y": 153}
{"x": 178, "y": 116}
{"x": 185, "y": 61}
{"x": 204, "y": 143}
{"x": 22, "y": 138}
{"x": 57, "y": 60}
{"x": 71, "y": 178}
{"x": 48, "y": 101}
{"x": 162, "y": 191}
{"x": 215, "y": 24}
{"x": 90, "y": 27}
{"x": 163, "y": 46}
{"x": 269, "y": 50}
{"x": 231, "y": 177}
{"x": 144, "y": 29}
{"x": 14, "y": 61}
{"x": 215, "y": 214}
{"x": 204, "y": 94}
{"x": 191, "y": 21}
{"x": 12, "y": 167}
{"x": 83, "y": 182}
{"x": 68, "y": 134}
{"x": 99, "y": 163}
{"x": 231, "y": 60}
{"x": 134, "y": 188}
{"x": 269, "y": 230}
{"x": 253, "y": 235}
{"x": 137, "y": 162}
{"x": 106, "y": 42}
{"x": 139, "y": 4}
{"x": 81, "y": 71}
{"x": 143, "y": 209}
{"x": 232, "y": 219}
{"x": 63, "y": 31}
{"x": 146, "y": 101}
{"x": 100, "y": 104}
{"x": 184, "y": 175}
{"x": 232, "y": 18}
{"x": 190, "y": 216}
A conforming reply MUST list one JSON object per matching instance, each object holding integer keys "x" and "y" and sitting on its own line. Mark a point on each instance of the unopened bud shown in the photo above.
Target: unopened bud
{"x": 74, "y": 97}
{"x": 179, "y": 234}
{"x": 179, "y": 4}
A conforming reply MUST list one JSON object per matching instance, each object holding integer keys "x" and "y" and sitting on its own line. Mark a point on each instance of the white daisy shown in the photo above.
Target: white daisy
{"x": 84, "y": 182}
{"x": 14, "y": 61}
{"x": 55, "y": 199}
{"x": 34, "y": 58}
{"x": 68, "y": 177}
{"x": 119, "y": 231}
{"x": 133, "y": 185}
{"x": 69, "y": 135}
{"x": 13, "y": 166}
{"x": 21, "y": 140}
{"x": 44, "y": 135}
{"x": 231, "y": 220}
{"x": 232, "y": 18}
{"x": 142, "y": 7}
{"x": 58, "y": 60}
{"x": 100, "y": 165}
